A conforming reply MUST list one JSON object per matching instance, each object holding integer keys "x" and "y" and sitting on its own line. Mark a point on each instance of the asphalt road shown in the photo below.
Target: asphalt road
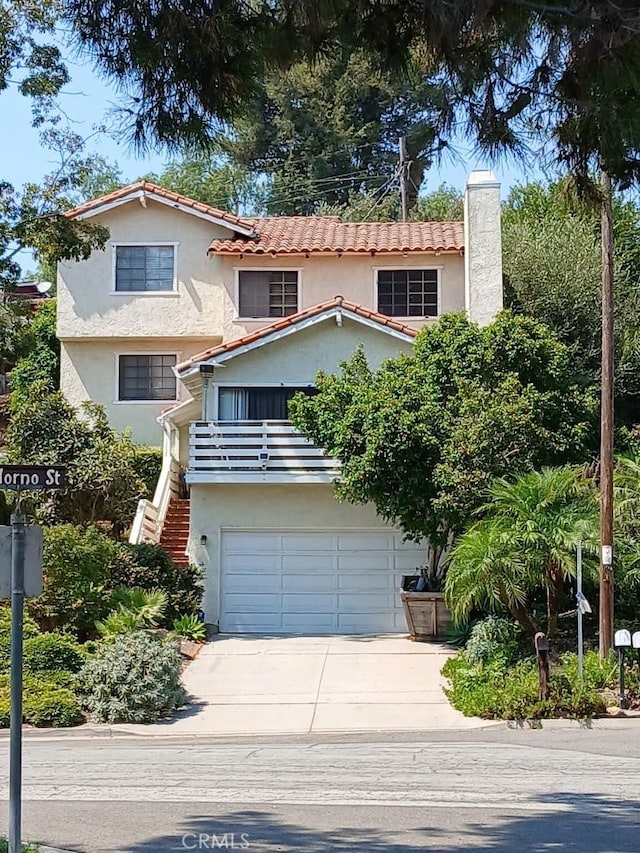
{"x": 489, "y": 790}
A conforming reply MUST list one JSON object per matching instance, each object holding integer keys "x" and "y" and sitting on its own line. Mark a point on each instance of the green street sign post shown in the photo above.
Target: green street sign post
{"x": 26, "y": 543}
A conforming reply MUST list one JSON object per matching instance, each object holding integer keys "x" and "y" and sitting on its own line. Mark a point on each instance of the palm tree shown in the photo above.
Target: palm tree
{"x": 525, "y": 540}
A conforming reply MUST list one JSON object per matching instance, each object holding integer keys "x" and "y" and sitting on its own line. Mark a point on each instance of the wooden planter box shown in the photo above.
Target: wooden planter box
{"x": 428, "y": 617}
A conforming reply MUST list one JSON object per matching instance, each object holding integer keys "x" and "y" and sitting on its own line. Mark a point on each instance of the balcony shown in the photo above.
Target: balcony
{"x": 255, "y": 452}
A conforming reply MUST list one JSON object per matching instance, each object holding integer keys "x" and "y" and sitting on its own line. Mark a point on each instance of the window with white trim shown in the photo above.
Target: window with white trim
{"x": 144, "y": 268}
{"x": 408, "y": 293}
{"x": 267, "y": 293}
{"x": 146, "y": 377}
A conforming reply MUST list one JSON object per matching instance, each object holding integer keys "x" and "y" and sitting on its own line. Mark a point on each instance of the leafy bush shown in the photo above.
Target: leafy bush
{"x": 29, "y": 625}
{"x": 48, "y": 701}
{"x": 146, "y": 463}
{"x": 134, "y": 679}
{"x": 190, "y": 627}
{"x": 499, "y": 690}
{"x": 137, "y": 608}
{"x": 78, "y": 565}
{"x": 493, "y": 637}
{"x": 151, "y": 567}
{"x": 596, "y": 674}
{"x": 51, "y": 653}
{"x": 52, "y": 707}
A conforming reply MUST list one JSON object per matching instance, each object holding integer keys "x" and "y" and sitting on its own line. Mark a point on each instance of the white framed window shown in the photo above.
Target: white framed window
{"x": 146, "y": 377}
{"x": 267, "y": 293}
{"x": 408, "y": 292}
{"x": 258, "y": 403}
{"x": 144, "y": 268}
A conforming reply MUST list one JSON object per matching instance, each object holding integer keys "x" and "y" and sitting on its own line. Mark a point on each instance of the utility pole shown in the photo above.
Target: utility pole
{"x": 606, "y": 423}
{"x": 404, "y": 177}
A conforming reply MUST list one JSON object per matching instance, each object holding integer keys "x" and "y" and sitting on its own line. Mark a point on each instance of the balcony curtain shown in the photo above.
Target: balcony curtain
{"x": 233, "y": 404}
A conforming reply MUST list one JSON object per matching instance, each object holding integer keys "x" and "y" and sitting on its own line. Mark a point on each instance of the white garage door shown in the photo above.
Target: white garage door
{"x": 313, "y": 583}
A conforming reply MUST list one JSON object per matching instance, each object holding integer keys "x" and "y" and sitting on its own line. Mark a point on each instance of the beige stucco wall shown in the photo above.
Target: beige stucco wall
{"x": 302, "y": 507}
{"x": 88, "y": 307}
{"x": 297, "y": 358}
{"x": 205, "y": 302}
{"x": 353, "y": 277}
{"x": 483, "y": 248}
{"x": 88, "y": 371}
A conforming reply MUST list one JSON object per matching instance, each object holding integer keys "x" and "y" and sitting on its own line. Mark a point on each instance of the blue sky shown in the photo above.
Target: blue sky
{"x": 88, "y": 102}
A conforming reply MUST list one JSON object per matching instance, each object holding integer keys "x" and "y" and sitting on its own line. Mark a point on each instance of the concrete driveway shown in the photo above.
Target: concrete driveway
{"x": 253, "y": 685}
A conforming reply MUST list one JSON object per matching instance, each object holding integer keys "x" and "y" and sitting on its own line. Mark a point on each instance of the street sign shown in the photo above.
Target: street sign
{"x": 32, "y": 561}
{"x": 32, "y": 477}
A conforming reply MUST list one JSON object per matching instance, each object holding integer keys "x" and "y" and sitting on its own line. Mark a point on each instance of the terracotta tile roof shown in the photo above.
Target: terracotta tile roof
{"x": 301, "y": 235}
{"x": 155, "y": 190}
{"x": 291, "y": 320}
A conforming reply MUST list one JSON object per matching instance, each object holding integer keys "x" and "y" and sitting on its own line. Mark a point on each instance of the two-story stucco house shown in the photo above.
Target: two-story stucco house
{"x": 193, "y": 327}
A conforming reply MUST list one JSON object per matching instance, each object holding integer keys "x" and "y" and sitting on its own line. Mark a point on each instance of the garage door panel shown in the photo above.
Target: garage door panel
{"x": 365, "y": 583}
{"x": 308, "y": 603}
{"x": 365, "y": 542}
{"x": 253, "y": 543}
{"x": 252, "y": 563}
{"x": 368, "y": 602}
{"x": 312, "y": 582}
{"x": 309, "y": 583}
{"x": 365, "y": 623}
{"x": 252, "y": 602}
{"x": 306, "y": 542}
{"x": 258, "y": 583}
{"x": 321, "y": 623}
{"x": 368, "y": 562}
{"x": 309, "y": 562}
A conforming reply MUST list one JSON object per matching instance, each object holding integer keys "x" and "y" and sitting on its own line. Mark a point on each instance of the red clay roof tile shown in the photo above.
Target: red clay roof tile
{"x": 154, "y": 189}
{"x": 302, "y": 235}
{"x": 291, "y": 320}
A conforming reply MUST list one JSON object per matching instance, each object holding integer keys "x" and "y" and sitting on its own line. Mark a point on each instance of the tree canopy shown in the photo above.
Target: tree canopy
{"x": 423, "y": 436}
{"x": 568, "y": 74}
{"x": 552, "y": 267}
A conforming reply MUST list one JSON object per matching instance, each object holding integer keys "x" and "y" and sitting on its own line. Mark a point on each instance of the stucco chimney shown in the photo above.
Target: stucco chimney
{"x": 482, "y": 247}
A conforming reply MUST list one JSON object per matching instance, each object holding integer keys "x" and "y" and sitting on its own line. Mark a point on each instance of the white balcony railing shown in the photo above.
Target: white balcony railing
{"x": 266, "y": 449}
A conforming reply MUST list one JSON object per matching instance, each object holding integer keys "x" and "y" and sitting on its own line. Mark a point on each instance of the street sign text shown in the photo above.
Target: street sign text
{"x": 32, "y": 477}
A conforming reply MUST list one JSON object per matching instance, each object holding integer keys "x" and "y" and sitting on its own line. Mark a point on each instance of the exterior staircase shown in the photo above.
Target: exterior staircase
{"x": 175, "y": 531}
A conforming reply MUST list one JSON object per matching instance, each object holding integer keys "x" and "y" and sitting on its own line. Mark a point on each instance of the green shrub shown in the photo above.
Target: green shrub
{"x": 52, "y": 707}
{"x": 134, "y": 679}
{"x": 51, "y": 653}
{"x": 30, "y": 629}
{"x": 494, "y": 637}
{"x": 190, "y": 627}
{"x": 501, "y": 690}
{"x": 78, "y": 564}
{"x": 596, "y": 674}
{"x": 151, "y": 567}
{"x": 146, "y": 463}
{"x": 46, "y": 702}
{"x": 29, "y": 625}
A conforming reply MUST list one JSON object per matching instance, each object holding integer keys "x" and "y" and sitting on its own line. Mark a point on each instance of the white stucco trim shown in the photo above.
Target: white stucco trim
{"x": 116, "y": 384}
{"x": 439, "y": 268}
{"x": 236, "y": 291}
{"x": 220, "y": 358}
{"x": 140, "y": 195}
{"x": 252, "y": 477}
{"x": 154, "y": 293}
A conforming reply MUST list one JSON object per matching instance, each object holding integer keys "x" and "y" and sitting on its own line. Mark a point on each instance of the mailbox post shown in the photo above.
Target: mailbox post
{"x": 622, "y": 641}
{"x": 542, "y": 653}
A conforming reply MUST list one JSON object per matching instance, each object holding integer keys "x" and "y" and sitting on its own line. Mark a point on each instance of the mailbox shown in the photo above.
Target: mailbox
{"x": 635, "y": 640}
{"x": 622, "y": 639}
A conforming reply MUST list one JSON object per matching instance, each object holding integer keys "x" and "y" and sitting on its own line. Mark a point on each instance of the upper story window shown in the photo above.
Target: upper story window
{"x": 408, "y": 293}
{"x": 146, "y": 377}
{"x": 267, "y": 293}
{"x": 143, "y": 269}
